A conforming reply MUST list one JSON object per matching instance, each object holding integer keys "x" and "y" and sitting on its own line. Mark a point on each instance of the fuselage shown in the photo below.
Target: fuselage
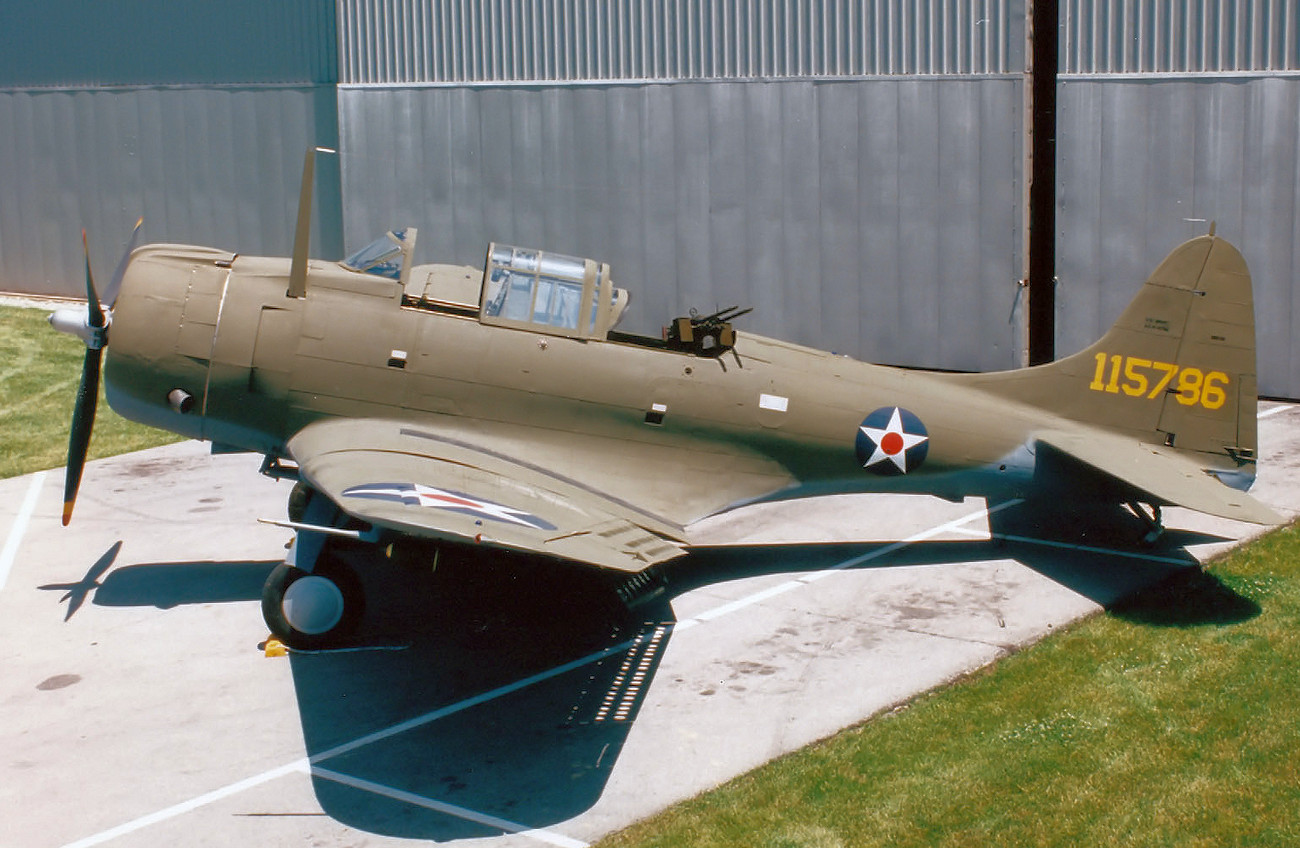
{"x": 259, "y": 365}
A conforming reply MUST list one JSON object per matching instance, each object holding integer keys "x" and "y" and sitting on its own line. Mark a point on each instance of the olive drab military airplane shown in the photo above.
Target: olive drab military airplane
{"x": 447, "y": 406}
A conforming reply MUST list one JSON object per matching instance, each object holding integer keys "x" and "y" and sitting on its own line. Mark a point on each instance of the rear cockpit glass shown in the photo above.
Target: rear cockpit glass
{"x": 539, "y": 288}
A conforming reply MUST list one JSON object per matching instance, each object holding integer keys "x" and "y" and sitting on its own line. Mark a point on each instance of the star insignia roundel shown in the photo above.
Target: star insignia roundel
{"x": 892, "y": 441}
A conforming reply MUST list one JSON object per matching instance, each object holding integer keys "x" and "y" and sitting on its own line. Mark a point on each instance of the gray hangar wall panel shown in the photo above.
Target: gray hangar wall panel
{"x": 215, "y": 166}
{"x": 1147, "y": 163}
{"x": 878, "y": 218}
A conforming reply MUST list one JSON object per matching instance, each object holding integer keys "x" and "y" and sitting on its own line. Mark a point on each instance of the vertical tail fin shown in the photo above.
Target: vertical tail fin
{"x": 1177, "y": 368}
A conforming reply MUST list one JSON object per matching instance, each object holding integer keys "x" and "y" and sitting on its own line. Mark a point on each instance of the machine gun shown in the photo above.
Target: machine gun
{"x": 710, "y": 335}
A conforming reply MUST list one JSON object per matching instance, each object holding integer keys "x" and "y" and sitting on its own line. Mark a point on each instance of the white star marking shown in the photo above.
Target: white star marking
{"x": 892, "y": 443}
{"x": 435, "y": 498}
{"x": 440, "y": 499}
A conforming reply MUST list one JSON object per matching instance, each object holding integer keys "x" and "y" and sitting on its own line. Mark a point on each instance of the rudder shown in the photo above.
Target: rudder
{"x": 1176, "y": 369}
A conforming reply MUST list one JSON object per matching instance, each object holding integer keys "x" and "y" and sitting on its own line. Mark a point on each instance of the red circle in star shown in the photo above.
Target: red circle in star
{"x": 892, "y": 443}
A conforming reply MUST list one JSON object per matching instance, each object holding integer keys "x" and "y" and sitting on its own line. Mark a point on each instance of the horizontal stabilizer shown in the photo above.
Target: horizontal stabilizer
{"x": 1162, "y": 474}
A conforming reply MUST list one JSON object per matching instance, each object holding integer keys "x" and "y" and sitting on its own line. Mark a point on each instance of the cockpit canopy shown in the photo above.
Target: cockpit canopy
{"x": 387, "y": 256}
{"x": 521, "y": 287}
{"x": 549, "y": 292}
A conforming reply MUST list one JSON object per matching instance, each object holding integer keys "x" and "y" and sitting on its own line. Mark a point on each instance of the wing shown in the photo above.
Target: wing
{"x": 423, "y": 483}
{"x": 1161, "y": 473}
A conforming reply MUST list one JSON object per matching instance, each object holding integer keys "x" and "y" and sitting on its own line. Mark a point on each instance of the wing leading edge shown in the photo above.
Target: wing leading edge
{"x": 1164, "y": 475}
{"x": 417, "y": 481}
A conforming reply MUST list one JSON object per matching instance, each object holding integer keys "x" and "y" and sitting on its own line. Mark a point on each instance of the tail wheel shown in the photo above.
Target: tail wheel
{"x": 312, "y": 609}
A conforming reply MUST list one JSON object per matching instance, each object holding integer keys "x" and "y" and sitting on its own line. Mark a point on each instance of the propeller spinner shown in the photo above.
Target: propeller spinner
{"x": 91, "y": 326}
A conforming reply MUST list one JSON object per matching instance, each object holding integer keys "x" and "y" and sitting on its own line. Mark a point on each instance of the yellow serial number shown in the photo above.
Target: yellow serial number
{"x": 1143, "y": 378}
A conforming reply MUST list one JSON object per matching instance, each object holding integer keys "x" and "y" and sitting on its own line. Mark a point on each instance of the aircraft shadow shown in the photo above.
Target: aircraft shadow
{"x": 173, "y": 584}
{"x": 162, "y": 585}
{"x": 500, "y": 734}
{"x": 1095, "y": 552}
{"x": 1128, "y": 584}
{"x": 1186, "y": 598}
{"x": 519, "y": 681}
{"x": 521, "y": 677}
{"x": 490, "y": 694}
{"x": 1096, "y": 556}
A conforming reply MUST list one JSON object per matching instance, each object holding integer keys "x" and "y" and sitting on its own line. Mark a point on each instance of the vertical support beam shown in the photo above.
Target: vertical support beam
{"x": 1042, "y": 31}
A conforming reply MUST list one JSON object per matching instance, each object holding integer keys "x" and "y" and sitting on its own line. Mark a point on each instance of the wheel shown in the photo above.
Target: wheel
{"x": 312, "y": 609}
{"x": 298, "y": 498}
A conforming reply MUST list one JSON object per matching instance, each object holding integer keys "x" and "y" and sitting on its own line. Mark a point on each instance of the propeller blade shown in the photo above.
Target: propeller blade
{"x": 115, "y": 284}
{"x": 83, "y": 413}
{"x": 83, "y": 421}
{"x": 96, "y": 312}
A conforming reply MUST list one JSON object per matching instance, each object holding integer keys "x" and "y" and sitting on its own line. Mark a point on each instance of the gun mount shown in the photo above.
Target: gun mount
{"x": 708, "y": 335}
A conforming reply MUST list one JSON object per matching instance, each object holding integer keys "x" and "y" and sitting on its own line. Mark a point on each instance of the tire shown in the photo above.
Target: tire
{"x": 322, "y": 611}
{"x": 298, "y": 498}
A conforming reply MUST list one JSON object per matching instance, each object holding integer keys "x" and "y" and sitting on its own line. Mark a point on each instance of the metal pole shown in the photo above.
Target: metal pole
{"x": 1040, "y": 262}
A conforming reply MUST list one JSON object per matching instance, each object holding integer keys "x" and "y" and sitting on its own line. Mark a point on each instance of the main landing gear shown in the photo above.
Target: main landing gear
{"x": 313, "y": 599}
{"x": 313, "y": 609}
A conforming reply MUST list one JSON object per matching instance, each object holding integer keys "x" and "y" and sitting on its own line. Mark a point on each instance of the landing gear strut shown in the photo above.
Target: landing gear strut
{"x": 1154, "y": 522}
{"x": 313, "y": 599}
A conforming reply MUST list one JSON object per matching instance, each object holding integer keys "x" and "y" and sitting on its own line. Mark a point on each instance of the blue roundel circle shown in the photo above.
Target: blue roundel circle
{"x": 892, "y": 441}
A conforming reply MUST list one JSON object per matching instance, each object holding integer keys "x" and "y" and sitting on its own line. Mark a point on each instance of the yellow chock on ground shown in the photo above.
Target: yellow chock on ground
{"x": 275, "y": 648}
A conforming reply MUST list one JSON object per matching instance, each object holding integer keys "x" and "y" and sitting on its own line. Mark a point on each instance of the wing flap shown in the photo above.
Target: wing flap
{"x": 1161, "y": 473}
{"x": 386, "y": 474}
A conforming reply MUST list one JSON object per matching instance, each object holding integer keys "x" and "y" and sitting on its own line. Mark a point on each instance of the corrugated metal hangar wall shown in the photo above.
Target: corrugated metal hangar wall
{"x": 851, "y": 169}
{"x": 195, "y": 115}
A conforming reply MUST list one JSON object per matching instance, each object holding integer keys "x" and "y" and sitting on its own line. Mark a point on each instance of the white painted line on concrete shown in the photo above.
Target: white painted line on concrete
{"x": 503, "y": 825}
{"x": 1273, "y": 411}
{"x": 190, "y": 805}
{"x": 813, "y": 577}
{"x": 739, "y": 604}
{"x": 310, "y": 764}
{"x": 19, "y": 528}
{"x": 1070, "y": 546}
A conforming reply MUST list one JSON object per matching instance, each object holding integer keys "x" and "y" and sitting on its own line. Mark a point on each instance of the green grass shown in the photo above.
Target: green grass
{"x": 1172, "y": 720}
{"x": 39, "y": 373}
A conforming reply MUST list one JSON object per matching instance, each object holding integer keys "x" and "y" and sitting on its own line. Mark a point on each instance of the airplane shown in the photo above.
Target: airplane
{"x": 439, "y": 407}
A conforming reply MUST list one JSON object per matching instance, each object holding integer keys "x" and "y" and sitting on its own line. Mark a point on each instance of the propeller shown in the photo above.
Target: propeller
{"x": 92, "y": 328}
